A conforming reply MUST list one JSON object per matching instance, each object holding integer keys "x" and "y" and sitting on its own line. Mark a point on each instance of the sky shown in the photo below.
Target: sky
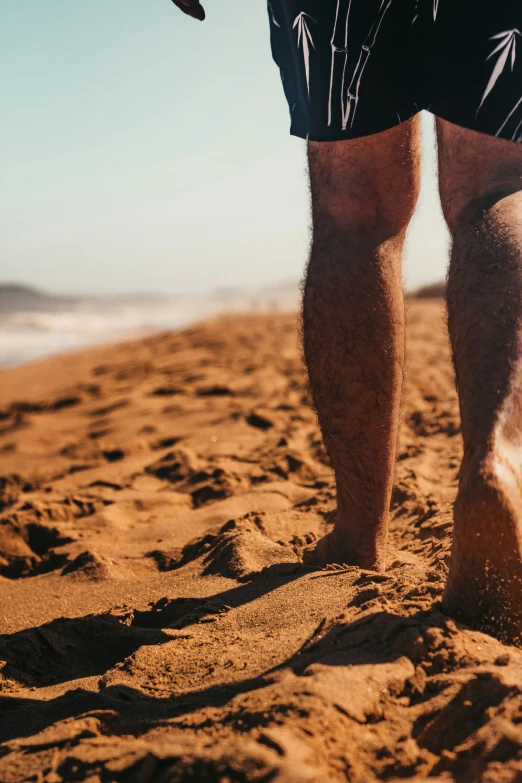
{"x": 142, "y": 150}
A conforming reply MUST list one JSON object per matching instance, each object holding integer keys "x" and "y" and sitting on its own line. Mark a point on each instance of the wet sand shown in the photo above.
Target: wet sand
{"x": 157, "y": 624}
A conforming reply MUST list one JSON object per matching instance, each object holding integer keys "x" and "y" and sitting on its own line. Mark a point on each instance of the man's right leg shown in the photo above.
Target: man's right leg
{"x": 481, "y": 191}
{"x": 363, "y": 195}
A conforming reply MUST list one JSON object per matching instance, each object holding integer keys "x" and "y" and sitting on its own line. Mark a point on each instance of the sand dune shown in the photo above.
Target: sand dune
{"x": 157, "y": 624}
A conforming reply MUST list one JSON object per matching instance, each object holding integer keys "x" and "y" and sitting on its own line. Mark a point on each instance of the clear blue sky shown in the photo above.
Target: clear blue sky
{"x": 142, "y": 150}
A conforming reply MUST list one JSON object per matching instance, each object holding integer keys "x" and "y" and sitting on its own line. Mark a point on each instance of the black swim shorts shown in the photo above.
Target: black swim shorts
{"x": 355, "y": 67}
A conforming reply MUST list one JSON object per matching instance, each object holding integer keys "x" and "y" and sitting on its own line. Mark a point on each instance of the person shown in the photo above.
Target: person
{"x": 356, "y": 74}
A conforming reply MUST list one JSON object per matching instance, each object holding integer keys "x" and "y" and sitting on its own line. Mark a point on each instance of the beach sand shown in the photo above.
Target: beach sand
{"x": 157, "y": 624}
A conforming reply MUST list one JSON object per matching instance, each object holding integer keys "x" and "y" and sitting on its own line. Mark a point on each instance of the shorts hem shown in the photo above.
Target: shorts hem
{"x": 379, "y": 125}
{"x": 444, "y": 112}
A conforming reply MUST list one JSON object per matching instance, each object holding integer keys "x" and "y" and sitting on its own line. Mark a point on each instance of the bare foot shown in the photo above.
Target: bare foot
{"x": 484, "y": 587}
{"x": 337, "y": 548}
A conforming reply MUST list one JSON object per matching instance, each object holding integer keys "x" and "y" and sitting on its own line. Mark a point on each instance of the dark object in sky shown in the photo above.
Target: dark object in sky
{"x": 192, "y": 8}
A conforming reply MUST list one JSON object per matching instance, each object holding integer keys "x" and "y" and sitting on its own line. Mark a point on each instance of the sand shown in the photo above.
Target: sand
{"x": 157, "y": 623}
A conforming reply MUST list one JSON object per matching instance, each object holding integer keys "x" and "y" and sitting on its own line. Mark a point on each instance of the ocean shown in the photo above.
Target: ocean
{"x": 34, "y": 324}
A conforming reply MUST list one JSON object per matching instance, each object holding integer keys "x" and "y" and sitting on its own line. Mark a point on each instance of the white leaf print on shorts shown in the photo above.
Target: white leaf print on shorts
{"x": 507, "y": 50}
{"x": 304, "y": 38}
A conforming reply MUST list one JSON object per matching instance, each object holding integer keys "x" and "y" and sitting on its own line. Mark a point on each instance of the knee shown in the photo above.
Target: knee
{"x": 370, "y": 220}
{"x": 464, "y": 207}
{"x": 365, "y": 188}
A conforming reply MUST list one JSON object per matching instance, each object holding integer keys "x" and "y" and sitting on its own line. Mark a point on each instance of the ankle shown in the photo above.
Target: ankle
{"x": 366, "y": 543}
{"x": 480, "y": 467}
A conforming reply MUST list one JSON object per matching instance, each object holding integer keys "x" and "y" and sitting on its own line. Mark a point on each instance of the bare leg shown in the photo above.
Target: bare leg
{"x": 363, "y": 196}
{"x": 481, "y": 191}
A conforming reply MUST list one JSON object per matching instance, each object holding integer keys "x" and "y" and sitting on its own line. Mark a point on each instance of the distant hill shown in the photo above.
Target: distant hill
{"x": 15, "y": 296}
{"x": 430, "y": 291}
{"x": 17, "y": 289}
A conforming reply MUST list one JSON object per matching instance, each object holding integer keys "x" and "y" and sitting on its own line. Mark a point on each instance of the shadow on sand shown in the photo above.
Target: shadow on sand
{"x": 69, "y": 649}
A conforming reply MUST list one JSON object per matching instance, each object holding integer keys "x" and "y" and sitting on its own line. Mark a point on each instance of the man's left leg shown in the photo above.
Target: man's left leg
{"x": 363, "y": 196}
